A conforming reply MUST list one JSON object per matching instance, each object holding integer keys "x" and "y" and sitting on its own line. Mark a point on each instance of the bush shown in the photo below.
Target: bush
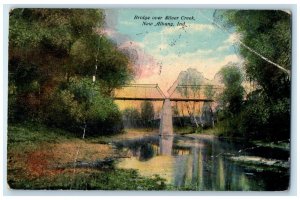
{"x": 131, "y": 118}
{"x": 147, "y": 113}
{"x": 80, "y": 105}
{"x": 120, "y": 179}
{"x": 265, "y": 119}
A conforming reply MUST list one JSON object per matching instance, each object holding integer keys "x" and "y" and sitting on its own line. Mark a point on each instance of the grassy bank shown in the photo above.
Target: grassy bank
{"x": 189, "y": 130}
{"x": 34, "y": 151}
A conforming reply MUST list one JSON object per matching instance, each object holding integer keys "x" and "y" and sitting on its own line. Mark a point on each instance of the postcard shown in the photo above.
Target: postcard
{"x": 159, "y": 99}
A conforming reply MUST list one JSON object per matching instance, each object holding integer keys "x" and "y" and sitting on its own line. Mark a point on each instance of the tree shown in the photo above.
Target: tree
{"x": 232, "y": 96}
{"x": 147, "y": 112}
{"x": 131, "y": 117}
{"x": 79, "y": 105}
{"x": 191, "y": 81}
{"x": 209, "y": 92}
{"x": 190, "y": 77}
{"x": 113, "y": 69}
{"x": 231, "y": 100}
{"x": 48, "y": 50}
{"x": 39, "y": 46}
{"x": 268, "y": 32}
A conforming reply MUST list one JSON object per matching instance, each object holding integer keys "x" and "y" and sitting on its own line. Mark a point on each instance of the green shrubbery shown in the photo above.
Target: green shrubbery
{"x": 133, "y": 118}
{"x": 53, "y": 55}
{"x": 117, "y": 179}
{"x": 265, "y": 112}
{"x": 253, "y": 116}
{"x": 79, "y": 104}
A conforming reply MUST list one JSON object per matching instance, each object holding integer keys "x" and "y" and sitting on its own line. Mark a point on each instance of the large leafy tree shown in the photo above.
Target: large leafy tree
{"x": 232, "y": 96}
{"x": 80, "y": 105}
{"x": 190, "y": 82}
{"x": 268, "y": 33}
{"x": 112, "y": 65}
{"x": 47, "y": 47}
{"x": 64, "y": 42}
{"x": 231, "y": 99}
{"x": 265, "y": 44}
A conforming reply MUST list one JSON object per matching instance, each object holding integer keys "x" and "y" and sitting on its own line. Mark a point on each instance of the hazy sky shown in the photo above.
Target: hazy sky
{"x": 161, "y": 52}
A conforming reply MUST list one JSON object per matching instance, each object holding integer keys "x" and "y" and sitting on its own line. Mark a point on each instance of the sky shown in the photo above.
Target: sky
{"x": 161, "y": 52}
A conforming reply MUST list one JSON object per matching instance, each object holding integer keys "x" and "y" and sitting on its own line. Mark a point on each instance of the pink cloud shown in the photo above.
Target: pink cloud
{"x": 144, "y": 64}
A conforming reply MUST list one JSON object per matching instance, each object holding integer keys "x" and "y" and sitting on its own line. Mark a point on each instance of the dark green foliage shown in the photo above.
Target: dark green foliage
{"x": 132, "y": 113}
{"x": 48, "y": 50}
{"x": 265, "y": 120}
{"x": 102, "y": 180}
{"x": 147, "y": 113}
{"x": 131, "y": 118}
{"x": 80, "y": 103}
{"x": 232, "y": 97}
{"x": 112, "y": 65}
{"x": 231, "y": 100}
{"x": 255, "y": 115}
{"x": 266, "y": 111}
{"x": 12, "y": 102}
{"x": 35, "y": 134}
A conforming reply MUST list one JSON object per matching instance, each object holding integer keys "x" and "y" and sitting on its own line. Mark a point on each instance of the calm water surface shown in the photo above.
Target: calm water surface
{"x": 203, "y": 162}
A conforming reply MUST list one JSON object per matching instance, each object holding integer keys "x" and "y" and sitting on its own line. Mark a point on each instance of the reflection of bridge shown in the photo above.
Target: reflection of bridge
{"x": 180, "y": 93}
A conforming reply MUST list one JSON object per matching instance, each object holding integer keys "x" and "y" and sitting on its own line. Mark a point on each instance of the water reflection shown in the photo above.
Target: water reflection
{"x": 166, "y": 144}
{"x": 197, "y": 164}
{"x": 146, "y": 152}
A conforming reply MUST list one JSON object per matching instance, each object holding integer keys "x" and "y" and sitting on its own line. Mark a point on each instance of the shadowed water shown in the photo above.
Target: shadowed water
{"x": 203, "y": 163}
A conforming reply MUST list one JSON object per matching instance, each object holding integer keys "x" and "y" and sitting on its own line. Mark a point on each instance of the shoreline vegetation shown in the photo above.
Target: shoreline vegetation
{"x": 35, "y": 153}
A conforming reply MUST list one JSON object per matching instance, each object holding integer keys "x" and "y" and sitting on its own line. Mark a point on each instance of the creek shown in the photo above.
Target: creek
{"x": 207, "y": 163}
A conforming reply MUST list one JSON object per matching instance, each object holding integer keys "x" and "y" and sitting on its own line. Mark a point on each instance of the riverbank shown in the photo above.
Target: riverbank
{"x": 35, "y": 151}
{"x": 43, "y": 158}
{"x": 217, "y": 132}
